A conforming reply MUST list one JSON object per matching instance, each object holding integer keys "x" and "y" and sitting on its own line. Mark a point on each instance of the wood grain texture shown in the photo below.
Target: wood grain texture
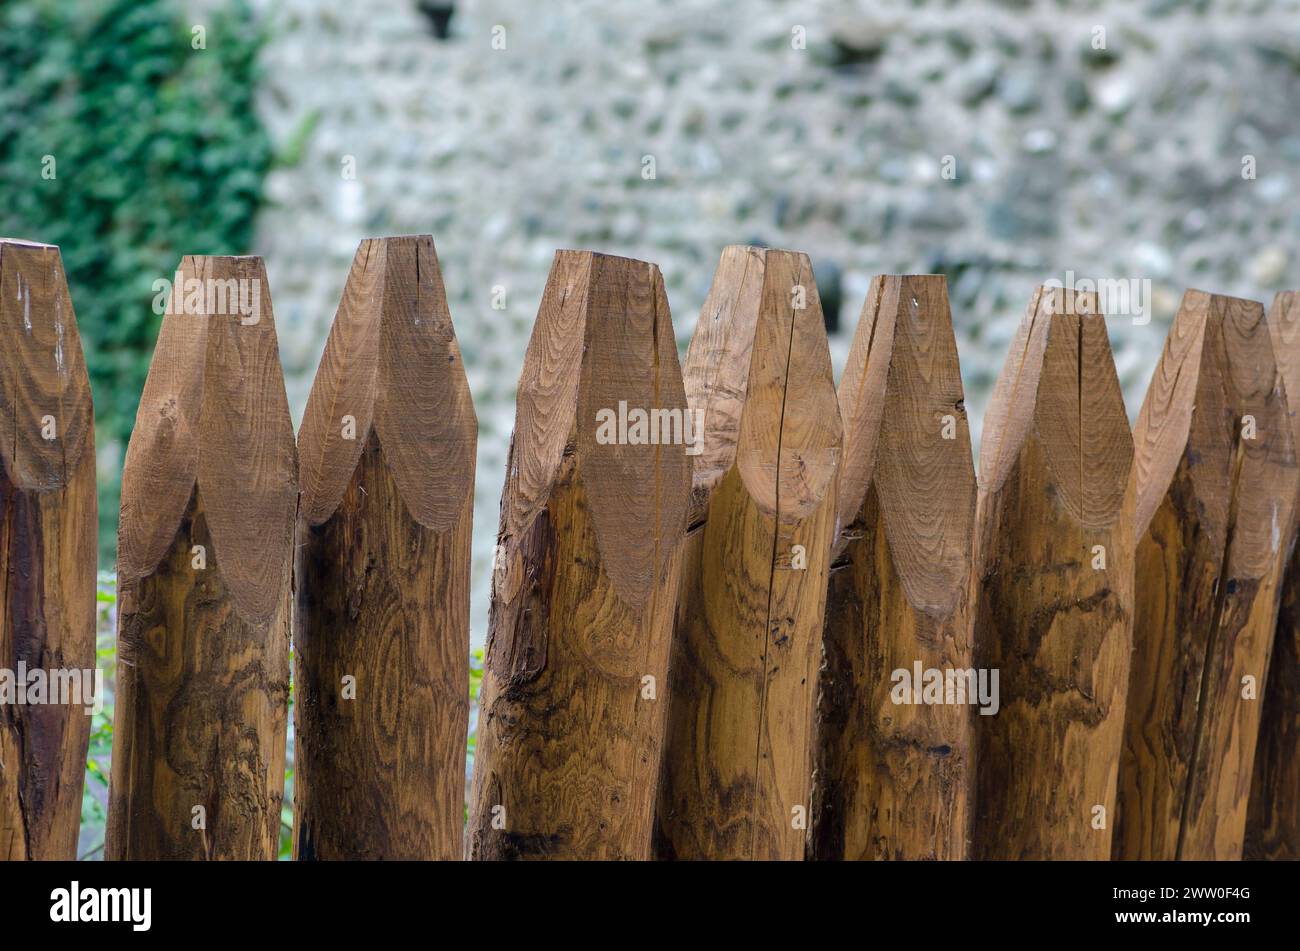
{"x": 203, "y": 668}
{"x": 1273, "y": 815}
{"x": 47, "y": 549}
{"x": 736, "y": 779}
{"x": 1214, "y": 507}
{"x": 892, "y": 780}
{"x": 382, "y": 579}
{"x": 586, "y": 579}
{"x": 1055, "y": 466}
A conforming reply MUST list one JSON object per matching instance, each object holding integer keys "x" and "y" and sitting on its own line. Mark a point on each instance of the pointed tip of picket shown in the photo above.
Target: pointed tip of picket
{"x": 214, "y": 415}
{"x": 906, "y": 432}
{"x": 1059, "y": 384}
{"x": 46, "y": 410}
{"x": 391, "y": 364}
{"x": 758, "y": 373}
{"x": 603, "y": 340}
{"x": 1218, "y": 355}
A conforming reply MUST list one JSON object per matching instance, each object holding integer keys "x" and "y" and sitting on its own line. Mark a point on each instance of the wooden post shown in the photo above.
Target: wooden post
{"x": 892, "y": 776}
{"x": 572, "y": 702}
{"x": 47, "y": 556}
{"x": 1216, "y": 482}
{"x": 209, "y": 494}
{"x": 747, "y": 644}
{"x": 1273, "y": 816}
{"x": 1054, "y": 588}
{"x": 381, "y": 621}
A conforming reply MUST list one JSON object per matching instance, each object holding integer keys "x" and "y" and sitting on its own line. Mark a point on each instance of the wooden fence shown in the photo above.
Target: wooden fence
{"x": 47, "y": 550}
{"x": 209, "y": 499}
{"x": 736, "y": 614}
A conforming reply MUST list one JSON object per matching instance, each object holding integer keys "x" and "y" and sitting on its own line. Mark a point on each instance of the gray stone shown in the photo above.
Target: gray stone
{"x": 1020, "y": 89}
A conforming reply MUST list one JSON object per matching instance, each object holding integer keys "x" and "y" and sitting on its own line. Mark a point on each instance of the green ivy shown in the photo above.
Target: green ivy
{"x": 157, "y": 152}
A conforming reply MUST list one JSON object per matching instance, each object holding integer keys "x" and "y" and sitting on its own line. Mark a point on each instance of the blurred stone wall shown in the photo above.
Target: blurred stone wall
{"x": 1122, "y": 162}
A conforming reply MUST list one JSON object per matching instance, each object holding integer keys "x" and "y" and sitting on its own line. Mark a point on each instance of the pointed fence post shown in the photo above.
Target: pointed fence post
{"x": 1053, "y": 588}
{"x": 209, "y": 495}
{"x": 47, "y": 556}
{"x": 737, "y": 771}
{"x": 572, "y": 705}
{"x": 1216, "y": 484}
{"x": 381, "y": 628}
{"x": 1273, "y": 817}
{"x": 892, "y": 774}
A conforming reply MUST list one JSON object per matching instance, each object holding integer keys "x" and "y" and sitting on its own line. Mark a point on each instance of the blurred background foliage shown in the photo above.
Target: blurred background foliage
{"x": 157, "y": 152}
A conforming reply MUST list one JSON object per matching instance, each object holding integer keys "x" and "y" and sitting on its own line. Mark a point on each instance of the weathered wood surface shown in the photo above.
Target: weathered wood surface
{"x": 570, "y": 725}
{"x": 1273, "y": 815}
{"x": 892, "y": 780}
{"x": 209, "y": 496}
{"x": 381, "y": 621}
{"x": 1053, "y": 588}
{"x": 736, "y": 782}
{"x": 47, "y": 552}
{"x": 1214, "y": 506}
